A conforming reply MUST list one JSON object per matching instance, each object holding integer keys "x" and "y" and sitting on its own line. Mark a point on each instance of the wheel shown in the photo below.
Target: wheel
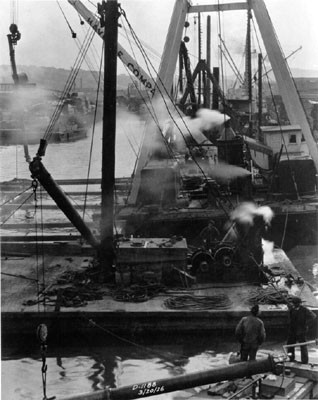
{"x": 224, "y": 256}
{"x": 201, "y": 261}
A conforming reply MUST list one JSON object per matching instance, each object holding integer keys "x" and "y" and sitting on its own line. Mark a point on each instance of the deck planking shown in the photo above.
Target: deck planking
{"x": 107, "y": 313}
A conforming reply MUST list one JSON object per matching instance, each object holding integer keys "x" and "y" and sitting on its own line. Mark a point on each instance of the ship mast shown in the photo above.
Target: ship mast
{"x": 109, "y": 16}
{"x": 248, "y": 66}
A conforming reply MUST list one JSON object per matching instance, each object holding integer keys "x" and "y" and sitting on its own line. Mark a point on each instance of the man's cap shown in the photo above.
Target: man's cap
{"x": 255, "y": 309}
{"x": 296, "y": 300}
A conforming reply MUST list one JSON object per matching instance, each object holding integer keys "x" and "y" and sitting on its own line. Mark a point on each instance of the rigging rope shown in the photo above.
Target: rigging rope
{"x": 18, "y": 208}
{"x": 285, "y": 227}
{"x": 172, "y": 358}
{"x": 15, "y": 196}
{"x": 148, "y": 62}
{"x": 276, "y": 108}
{"x": 77, "y": 64}
{"x": 146, "y": 58}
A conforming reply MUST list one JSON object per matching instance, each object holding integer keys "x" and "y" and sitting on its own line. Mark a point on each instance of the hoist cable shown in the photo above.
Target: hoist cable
{"x": 42, "y": 248}
{"x": 66, "y": 20}
{"x": 18, "y": 208}
{"x": 93, "y": 131}
{"x": 35, "y": 185}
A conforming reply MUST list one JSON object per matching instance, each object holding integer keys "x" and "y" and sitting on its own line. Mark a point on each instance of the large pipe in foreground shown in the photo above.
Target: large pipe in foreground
{"x": 40, "y": 173}
{"x": 155, "y": 387}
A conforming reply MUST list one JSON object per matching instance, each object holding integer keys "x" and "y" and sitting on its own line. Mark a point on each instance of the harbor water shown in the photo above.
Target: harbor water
{"x": 74, "y": 369}
{"x": 78, "y": 159}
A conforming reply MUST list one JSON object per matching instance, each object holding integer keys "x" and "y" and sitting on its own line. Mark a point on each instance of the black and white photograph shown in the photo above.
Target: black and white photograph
{"x": 159, "y": 199}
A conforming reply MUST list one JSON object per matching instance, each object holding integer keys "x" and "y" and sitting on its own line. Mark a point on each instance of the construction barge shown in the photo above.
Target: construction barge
{"x": 162, "y": 284}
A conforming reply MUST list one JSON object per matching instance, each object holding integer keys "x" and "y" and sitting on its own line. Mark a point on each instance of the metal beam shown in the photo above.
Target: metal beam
{"x": 285, "y": 83}
{"x": 217, "y": 7}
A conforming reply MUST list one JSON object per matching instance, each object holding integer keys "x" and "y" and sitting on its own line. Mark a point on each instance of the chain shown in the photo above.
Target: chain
{"x": 42, "y": 335}
{"x": 35, "y": 185}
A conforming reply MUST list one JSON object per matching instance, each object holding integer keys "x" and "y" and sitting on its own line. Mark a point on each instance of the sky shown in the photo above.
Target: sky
{"x": 46, "y": 37}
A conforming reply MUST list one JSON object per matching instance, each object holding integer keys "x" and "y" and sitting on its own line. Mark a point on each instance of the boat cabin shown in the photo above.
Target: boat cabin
{"x": 290, "y": 136}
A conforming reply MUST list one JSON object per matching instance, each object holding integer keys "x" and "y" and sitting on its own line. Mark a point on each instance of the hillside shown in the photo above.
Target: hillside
{"x": 55, "y": 78}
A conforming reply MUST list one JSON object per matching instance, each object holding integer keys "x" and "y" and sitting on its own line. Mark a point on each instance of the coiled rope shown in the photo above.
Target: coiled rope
{"x": 137, "y": 293}
{"x": 198, "y": 302}
{"x": 268, "y": 296}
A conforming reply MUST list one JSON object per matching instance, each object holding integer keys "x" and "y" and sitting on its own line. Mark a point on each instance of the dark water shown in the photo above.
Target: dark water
{"x": 74, "y": 370}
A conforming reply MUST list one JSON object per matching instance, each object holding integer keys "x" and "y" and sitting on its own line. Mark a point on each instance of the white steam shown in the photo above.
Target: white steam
{"x": 226, "y": 172}
{"x": 186, "y": 128}
{"x": 181, "y": 129}
{"x": 246, "y": 212}
{"x": 220, "y": 171}
{"x": 268, "y": 250}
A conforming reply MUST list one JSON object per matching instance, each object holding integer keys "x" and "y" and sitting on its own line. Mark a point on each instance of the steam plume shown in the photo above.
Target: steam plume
{"x": 246, "y": 212}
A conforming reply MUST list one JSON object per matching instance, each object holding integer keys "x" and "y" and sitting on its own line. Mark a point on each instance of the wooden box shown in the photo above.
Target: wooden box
{"x": 281, "y": 386}
{"x": 151, "y": 259}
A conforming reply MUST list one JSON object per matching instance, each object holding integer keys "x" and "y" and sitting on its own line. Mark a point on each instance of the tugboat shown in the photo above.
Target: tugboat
{"x": 26, "y": 110}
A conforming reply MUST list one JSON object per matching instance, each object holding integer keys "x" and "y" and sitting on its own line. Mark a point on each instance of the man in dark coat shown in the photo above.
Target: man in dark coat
{"x": 250, "y": 332}
{"x": 300, "y": 320}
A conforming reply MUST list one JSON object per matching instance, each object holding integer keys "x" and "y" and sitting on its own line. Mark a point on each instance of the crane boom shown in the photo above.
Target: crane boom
{"x": 13, "y": 37}
{"x": 123, "y": 55}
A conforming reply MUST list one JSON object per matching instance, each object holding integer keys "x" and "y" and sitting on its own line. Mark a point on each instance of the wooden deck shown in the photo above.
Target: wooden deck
{"x": 22, "y": 310}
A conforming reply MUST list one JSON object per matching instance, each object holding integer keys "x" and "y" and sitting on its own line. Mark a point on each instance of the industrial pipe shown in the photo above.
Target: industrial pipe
{"x": 40, "y": 173}
{"x": 155, "y": 387}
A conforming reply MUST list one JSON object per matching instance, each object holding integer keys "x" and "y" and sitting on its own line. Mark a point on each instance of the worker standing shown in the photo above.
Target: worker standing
{"x": 250, "y": 332}
{"x": 210, "y": 235}
{"x": 300, "y": 320}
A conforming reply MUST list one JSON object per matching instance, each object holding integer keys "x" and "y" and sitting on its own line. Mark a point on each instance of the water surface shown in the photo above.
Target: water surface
{"x": 74, "y": 370}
